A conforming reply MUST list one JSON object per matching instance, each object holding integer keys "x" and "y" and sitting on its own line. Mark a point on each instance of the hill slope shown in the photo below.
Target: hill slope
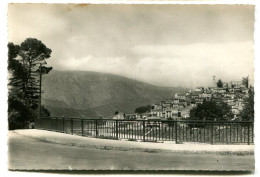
{"x": 92, "y": 94}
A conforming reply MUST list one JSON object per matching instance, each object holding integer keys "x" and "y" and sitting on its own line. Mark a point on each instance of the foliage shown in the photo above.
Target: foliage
{"x": 227, "y": 90}
{"x": 171, "y": 123}
{"x": 210, "y": 110}
{"x": 143, "y": 109}
{"x": 248, "y": 114}
{"x": 220, "y": 83}
{"x": 24, "y": 67}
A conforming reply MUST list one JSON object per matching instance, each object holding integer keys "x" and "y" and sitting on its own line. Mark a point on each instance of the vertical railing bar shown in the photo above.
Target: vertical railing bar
{"x": 71, "y": 124}
{"x": 169, "y": 127}
{"x": 112, "y": 133}
{"x": 63, "y": 122}
{"x": 193, "y": 134}
{"x": 248, "y": 134}
{"x": 124, "y": 129}
{"x": 117, "y": 129}
{"x": 112, "y": 130}
{"x": 237, "y": 132}
{"x": 135, "y": 129}
{"x": 143, "y": 130}
{"x": 127, "y": 130}
{"x": 96, "y": 123}
{"x": 106, "y": 132}
{"x": 201, "y": 138}
{"x": 161, "y": 129}
{"x": 230, "y": 132}
{"x": 149, "y": 132}
{"x": 56, "y": 124}
{"x": 155, "y": 131}
{"x": 132, "y": 133}
{"x": 109, "y": 130}
{"x": 212, "y": 129}
{"x": 204, "y": 132}
{"x": 140, "y": 130}
{"x": 187, "y": 131}
{"x": 197, "y": 129}
{"x": 107, "y": 124}
{"x": 89, "y": 128}
{"x": 93, "y": 128}
{"x": 82, "y": 128}
{"x": 226, "y": 130}
{"x": 241, "y": 134}
{"x": 244, "y": 135}
{"x": 51, "y": 124}
{"x": 252, "y": 132}
{"x": 173, "y": 131}
{"x": 219, "y": 133}
{"x": 183, "y": 132}
{"x": 176, "y": 133}
{"x": 103, "y": 127}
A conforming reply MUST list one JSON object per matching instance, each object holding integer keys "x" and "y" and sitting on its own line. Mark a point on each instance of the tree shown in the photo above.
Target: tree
{"x": 143, "y": 109}
{"x": 210, "y": 110}
{"x": 33, "y": 53}
{"x": 227, "y": 90}
{"x": 248, "y": 113}
{"x": 245, "y": 81}
{"x": 24, "y": 66}
{"x": 220, "y": 83}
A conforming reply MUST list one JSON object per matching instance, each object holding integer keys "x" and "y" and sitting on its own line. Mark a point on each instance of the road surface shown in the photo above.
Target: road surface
{"x": 28, "y": 153}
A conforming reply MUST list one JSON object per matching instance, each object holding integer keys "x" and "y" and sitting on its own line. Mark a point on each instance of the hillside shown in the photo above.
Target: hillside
{"x": 92, "y": 94}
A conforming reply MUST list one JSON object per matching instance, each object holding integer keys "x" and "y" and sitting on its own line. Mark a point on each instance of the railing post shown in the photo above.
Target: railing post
{"x": 82, "y": 127}
{"x": 212, "y": 127}
{"x": 252, "y": 132}
{"x": 71, "y": 126}
{"x": 248, "y": 134}
{"x": 51, "y": 124}
{"x": 63, "y": 124}
{"x": 96, "y": 125}
{"x": 56, "y": 124}
{"x": 117, "y": 129}
{"x": 143, "y": 130}
{"x": 176, "y": 133}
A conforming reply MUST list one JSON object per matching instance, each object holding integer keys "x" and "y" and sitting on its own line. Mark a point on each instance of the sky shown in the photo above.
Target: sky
{"x": 166, "y": 45}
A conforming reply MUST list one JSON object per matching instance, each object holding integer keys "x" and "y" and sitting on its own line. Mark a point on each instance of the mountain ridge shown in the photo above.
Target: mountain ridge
{"x": 98, "y": 94}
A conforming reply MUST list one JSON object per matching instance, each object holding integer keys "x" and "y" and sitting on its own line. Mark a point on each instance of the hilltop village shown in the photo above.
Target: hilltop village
{"x": 178, "y": 107}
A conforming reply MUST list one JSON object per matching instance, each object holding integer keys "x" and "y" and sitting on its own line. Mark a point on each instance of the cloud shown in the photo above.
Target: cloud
{"x": 171, "y": 65}
{"x": 172, "y": 45}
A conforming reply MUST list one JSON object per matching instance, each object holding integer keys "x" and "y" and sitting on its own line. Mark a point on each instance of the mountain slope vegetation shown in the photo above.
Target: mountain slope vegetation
{"x": 91, "y": 94}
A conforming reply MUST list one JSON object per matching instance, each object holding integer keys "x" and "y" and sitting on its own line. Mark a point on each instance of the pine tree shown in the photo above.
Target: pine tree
{"x": 24, "y": 66}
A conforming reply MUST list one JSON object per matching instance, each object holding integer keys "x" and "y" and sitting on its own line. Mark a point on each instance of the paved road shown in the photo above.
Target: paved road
{"x": 28, "y": 153}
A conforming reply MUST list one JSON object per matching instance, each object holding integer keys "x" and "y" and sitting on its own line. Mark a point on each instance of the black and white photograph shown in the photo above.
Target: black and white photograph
{"x": 131, "y": 87}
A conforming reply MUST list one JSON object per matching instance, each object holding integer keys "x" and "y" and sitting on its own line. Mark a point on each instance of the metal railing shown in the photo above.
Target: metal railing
{"x": 213, "y": 132}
